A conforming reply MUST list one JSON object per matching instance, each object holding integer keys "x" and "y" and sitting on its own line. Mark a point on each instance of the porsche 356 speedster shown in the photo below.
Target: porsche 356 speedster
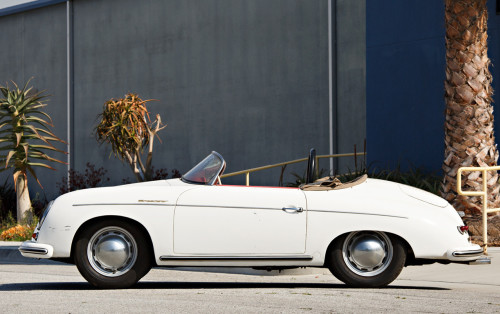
{"x": 364, "y": 231}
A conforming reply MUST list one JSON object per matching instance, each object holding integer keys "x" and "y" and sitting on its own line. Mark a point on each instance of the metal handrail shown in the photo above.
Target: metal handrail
{"x": 483, "y": 194}
{"x": 281, "y": 164}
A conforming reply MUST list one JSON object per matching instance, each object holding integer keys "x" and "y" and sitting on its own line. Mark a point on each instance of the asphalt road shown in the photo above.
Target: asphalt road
{"x": 431, "y": 289}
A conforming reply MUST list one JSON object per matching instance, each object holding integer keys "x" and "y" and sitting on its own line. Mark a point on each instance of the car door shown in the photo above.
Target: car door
{"x": 240, "y": 220}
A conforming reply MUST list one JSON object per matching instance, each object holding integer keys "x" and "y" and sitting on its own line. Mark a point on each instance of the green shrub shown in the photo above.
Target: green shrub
{"x": 416, "y": 177}
{"x": 10, "y": 230}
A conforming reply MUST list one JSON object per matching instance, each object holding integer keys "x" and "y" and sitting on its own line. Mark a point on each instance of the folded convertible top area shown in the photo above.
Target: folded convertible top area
{"x": 332, "y": 183}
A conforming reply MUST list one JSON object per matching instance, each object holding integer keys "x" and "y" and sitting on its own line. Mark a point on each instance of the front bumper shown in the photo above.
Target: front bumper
{"x": 36, "y": 250}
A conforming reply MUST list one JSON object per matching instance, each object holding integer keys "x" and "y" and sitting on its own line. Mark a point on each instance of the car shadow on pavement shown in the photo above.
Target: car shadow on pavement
{"x": 254, "y": 285}
{"x": 39, "y": 286}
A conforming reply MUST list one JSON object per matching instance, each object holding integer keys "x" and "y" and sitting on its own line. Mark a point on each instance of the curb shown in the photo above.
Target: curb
{"x": 9, "y": 254}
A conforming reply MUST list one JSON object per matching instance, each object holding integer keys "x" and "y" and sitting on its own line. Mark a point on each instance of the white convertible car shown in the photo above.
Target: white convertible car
{"x": 365, "y": 231}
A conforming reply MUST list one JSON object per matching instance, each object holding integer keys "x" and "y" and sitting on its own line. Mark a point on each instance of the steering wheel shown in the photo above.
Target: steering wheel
{"x": 311, "y": 166}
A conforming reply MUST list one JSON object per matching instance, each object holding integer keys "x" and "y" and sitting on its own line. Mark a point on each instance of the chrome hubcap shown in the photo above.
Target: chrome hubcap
{"x": 367, "y": 253}
{"x": 112, "y": 251}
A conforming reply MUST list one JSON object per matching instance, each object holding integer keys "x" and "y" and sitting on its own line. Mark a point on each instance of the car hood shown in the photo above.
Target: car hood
{"x": 161, "y": 191}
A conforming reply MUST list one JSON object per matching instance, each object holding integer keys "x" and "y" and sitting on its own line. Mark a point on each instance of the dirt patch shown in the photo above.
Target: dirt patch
{"x": 476, "y": 229}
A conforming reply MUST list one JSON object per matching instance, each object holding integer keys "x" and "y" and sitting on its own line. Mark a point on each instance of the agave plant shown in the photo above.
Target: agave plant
{"x": 125, "y": 124}
{"x": 25, "y": 137}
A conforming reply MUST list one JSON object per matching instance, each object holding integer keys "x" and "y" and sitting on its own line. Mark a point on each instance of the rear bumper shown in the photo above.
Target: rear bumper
{"x": 36, "y": 250}
{"x": 465, "y": 254}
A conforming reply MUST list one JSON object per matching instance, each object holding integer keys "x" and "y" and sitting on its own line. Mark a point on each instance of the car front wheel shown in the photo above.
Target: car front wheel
{"x": 367, "y": 259}
{"x": 112, "y": 254}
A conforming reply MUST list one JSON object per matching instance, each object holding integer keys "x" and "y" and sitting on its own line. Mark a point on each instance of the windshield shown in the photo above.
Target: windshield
{"x": 207, "y": 170}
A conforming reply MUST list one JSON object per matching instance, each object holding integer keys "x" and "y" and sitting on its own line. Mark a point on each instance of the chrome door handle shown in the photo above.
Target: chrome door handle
{"x": 292, "y": 209}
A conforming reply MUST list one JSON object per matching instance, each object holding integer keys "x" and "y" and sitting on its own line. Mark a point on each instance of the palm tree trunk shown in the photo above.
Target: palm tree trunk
{"x": 469, "y": 138}
{"x": 23, "y": 198}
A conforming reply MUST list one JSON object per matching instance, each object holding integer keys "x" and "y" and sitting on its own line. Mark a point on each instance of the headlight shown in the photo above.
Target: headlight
{"x": 45, "y": 213}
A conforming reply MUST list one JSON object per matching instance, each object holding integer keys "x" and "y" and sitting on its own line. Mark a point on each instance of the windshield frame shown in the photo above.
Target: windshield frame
{"x": 214, "y": 179}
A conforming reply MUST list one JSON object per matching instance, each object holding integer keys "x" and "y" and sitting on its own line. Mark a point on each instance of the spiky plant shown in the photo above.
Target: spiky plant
{"x": 469, "y": 139}
{"x": 25, "y": 137}
{"x": 125, "y": 124}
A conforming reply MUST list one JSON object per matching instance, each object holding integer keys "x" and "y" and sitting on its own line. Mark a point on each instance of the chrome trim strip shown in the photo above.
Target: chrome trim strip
{"x": 33, "y": 250}
{"x": 467, "y": 253}
{"x": 354, "y": 213}
{"x": 128, "y": 204}
{"x": 221, "y": 206}
{"x": 236, "y": 258}
{"x": 237, "y": 207}
{"x": 178, "y": 205}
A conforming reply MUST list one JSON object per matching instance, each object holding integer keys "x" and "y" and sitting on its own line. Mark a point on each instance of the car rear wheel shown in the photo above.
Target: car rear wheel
{"x": 367, "y": 259}
{"x": 112, "y": 254}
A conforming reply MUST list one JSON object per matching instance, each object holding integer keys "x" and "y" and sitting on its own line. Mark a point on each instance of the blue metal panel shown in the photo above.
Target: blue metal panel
{"x": 405, "y": 74}
{"x": 28, "y": 6}
{"x": 494, "y": 55}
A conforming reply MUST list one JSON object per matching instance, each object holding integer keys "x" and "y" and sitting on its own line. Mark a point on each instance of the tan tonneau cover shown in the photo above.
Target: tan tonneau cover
{"x": 332, "y": 183}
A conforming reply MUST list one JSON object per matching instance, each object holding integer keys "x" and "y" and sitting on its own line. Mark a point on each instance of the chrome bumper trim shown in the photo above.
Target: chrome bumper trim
{"x": 468, "y": 253}
{"x": 236, "y": 258}
{"x": 33, "y": 250}
{"x": 36, "y": 250}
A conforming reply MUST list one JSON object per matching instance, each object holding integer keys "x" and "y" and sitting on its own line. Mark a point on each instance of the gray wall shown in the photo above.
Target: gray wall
{"x": 34, "y": 45}
{"x": 248, "y": 79}
{"x": 351, "y": 80}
